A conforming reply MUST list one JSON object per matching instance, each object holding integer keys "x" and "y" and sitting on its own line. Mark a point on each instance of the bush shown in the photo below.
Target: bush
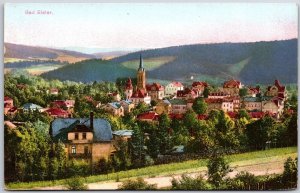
{"x": 189, "y": 183}
{"x": 243, "y": 181}
{"x": 289, "y": 176}
{"x": 75, "y": 183}
{"x": 138, "y": 184}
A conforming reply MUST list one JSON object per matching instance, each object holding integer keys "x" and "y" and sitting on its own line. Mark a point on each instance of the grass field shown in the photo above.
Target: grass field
{"x": 173, "y": 168}
{"x": 150, "y": 63}
{"x": 39, "y": 69}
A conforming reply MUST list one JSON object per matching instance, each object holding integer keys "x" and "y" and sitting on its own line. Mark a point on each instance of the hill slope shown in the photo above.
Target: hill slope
{"x": 252, "y": 63}
{"x": 16, "y": 51}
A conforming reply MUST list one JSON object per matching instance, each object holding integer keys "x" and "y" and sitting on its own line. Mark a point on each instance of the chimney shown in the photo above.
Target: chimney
{"x": 92, "y": 120}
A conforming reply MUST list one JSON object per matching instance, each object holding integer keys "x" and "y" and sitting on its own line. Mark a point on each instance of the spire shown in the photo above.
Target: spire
{"x": 141, "y": 62}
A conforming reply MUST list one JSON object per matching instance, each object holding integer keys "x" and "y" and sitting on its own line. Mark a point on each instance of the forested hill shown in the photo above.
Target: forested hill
{"x": 259, "y": 62}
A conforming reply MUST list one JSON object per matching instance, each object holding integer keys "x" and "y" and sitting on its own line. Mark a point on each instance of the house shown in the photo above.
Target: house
{"x": 63, "y": 104}
{"x": 128, "y": 89}
{"x": 148, "y": 116}
{"x": 236, "y": 102}
{"x": 127, "y": 105}
{"x": 156, "y": 91}
{"x": 232, "y": 87}
{"x": 187, "y": 93}
{"x": 57, "y": 113}
{"x": 10, "y": 125}
{"x": 277, "y": 90}
{"x": 253, "y": 91}
{"x": 218, "y": 95}
{"x": 8, "y": 104}
{"x": 163, "y": 106}
{"x": 21, "y": 86}
{"x": 178, "y": 106}
{"x": 115, "y": 96}
{"x": 273, "y": 106}
{"x": 86, "y": 139}
{"x": 140, "y": 96}
{"x": 199, "y": 87}
{"x": 53, "y": 91}
{"x": 213, "y": 104}
{"x": 176, "y": 116}
{"x": 12, "y": 111}
{"x": 225, "y": 104}
{"x": 32, "y": 107}
{"x": 252, "y": 103}
{"x": 122, "y": 135}
{"x": 114, "y": 108}
{"x": 172, "y": 88}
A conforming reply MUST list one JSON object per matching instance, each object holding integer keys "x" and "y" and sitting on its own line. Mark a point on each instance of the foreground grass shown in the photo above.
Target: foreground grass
{"x": 169, "y": 169}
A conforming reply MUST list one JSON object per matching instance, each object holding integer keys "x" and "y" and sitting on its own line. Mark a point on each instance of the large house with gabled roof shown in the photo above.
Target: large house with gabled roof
{"x": 87, "y": 139}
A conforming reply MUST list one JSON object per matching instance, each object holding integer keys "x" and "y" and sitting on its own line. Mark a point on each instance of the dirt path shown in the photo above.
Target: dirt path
{"x": 271, "y": 167}
{"x": 274, "y": 167}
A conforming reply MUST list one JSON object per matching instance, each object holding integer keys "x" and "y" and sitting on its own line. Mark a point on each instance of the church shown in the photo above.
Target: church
{"x": 139, "y": 94}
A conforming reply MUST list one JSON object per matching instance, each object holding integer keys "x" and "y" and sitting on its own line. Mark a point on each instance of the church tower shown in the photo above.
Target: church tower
{"x": 128, "y": 89}
{"x": 141, "y": 76}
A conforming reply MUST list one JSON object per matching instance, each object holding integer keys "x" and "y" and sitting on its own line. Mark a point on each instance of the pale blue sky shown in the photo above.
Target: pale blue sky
{"x": 133, "y": 26}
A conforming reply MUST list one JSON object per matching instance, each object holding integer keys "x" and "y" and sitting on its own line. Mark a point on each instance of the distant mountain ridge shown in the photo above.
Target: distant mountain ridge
{"x": 32, "y": 52}
{"x": 252, "y": 63}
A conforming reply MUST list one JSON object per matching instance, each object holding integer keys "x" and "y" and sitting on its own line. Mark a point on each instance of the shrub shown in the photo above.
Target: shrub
{"x": 75, "y": 183}
{"x": 189, "y": 183}
{"x": 138, "y": 184}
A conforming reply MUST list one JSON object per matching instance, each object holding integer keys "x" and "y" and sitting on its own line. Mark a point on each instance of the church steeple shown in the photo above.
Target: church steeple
{"x": 141, "y": 67}
{"x": 141, "y": 75}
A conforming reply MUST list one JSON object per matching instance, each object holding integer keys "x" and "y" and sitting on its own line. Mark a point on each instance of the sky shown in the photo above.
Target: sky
{"x": 131, "y": 26}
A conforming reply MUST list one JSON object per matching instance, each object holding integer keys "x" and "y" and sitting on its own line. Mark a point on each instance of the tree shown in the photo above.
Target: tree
{"x": 243, "y": 92}
{"x": 199, "y": 106}
{"x": 136, "y": 149}
{"x": 243, "y": 114}
{"x": 290, "y": 173}
{"x": 190, "y": 120}
{"x": 292, "y": 133}
{"x": 206, "y": 92}
{"x": 138, "y": 184}
{"x": 218, "y": 168}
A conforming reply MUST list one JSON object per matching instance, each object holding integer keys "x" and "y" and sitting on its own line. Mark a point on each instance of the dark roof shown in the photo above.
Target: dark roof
{"x": 61, "y": 127}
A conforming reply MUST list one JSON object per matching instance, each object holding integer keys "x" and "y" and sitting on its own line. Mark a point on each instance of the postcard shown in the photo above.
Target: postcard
{"x": 150, "y": 96}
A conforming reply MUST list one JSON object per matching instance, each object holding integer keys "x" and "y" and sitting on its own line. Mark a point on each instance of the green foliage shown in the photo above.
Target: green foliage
{"x": 290, "y": 174}
{"x": 243, "y": 92}
{"x": 218, "y": 168}
{"x": 199, "y": 106}
{"x": 189, "y": 183}
{"x": 138, "y": 184}
{"x": 75, "y": 183}
{"x": 243, "y": 181}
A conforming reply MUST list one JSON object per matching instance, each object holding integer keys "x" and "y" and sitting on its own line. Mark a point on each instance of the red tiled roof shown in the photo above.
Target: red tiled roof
{"x": 186, "y": 91}
{"x": 57, "y": 112}
{"x": 176, "y": 116}
{"x": 231, "y": 83}
{"x": 254, "y": 90}
{"x": 204, "y": 84}
{"x": 177, "y": 84}
{"x": 148, "y": 116}
{"x": 280, "y": 87}
{"x": 154, "y": 87}
{"x": 232, "y": 115}
{"x": 139, "y": 93}
{"x": 13, "y": 109}
{"x": 7, "y": 98}
{"x": 257, "y": 115}
{"x": 202, "y": 117}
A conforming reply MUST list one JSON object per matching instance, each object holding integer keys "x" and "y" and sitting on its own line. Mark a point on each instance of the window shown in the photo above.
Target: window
{"x": 76, "y": 136}
{"x": 83, "y": 135}
{"x": 73, "y": 150}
